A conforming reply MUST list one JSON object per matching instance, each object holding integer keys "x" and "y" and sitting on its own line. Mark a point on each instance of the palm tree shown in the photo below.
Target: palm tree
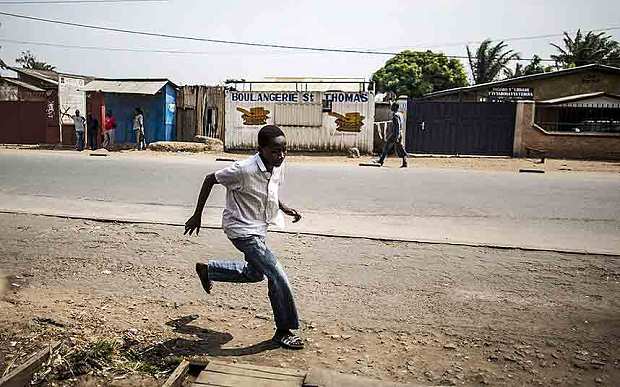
{"x": 586, "y": 49}
{"x": 534, "y": 67}
{"x": 489, "y": 61}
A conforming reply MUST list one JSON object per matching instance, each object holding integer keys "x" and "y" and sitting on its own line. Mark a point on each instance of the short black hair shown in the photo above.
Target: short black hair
{"x": 268, "y": 133}
{"x": 395, "y": 106}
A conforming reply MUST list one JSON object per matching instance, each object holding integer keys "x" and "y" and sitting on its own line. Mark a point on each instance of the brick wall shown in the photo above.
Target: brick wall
{"x": 591, "y": 146}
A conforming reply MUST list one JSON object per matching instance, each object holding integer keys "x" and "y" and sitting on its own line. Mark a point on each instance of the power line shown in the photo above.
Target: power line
{"x": 193, "y": 38}
{"x": 520, "y": 38}
{"x": 113, "y": 49}
{"x": 78, "y": 2}
{"x": 510, "y": 39}
{"x": 220, "y": 41}
{"x": 164, "y": 51}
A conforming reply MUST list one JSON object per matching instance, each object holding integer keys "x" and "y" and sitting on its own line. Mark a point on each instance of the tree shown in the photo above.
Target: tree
{"x": 586, "y": 49}
{"x": 490, "y": 60}
{"x": 417, "y": 73}
{"x": 28, "y": 61}
{"x": 534, "y": 67}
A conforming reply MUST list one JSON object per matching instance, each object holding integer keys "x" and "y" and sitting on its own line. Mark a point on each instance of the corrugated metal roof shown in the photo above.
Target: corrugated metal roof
{"x": 504, "y": 82}
{"x": 579, "y": 97}
{"x": 125, "y": 86}
{"x": 21, "y": 84}
{"x": 44, "y": 75}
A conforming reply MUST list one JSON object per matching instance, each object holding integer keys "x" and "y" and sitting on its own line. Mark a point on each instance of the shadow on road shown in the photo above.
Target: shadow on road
{"x": 209, "y": 342}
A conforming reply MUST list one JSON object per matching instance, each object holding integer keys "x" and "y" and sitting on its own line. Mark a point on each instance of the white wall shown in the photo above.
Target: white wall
{"x": 301, "y": 117}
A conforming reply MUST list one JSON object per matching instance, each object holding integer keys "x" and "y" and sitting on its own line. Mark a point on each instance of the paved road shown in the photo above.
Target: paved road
{"x": 563, "y": 211}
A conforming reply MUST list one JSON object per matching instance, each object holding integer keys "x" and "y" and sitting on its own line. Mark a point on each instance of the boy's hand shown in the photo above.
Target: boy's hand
{"x": 192, "y": 224}
{"x": 291, "y": 212}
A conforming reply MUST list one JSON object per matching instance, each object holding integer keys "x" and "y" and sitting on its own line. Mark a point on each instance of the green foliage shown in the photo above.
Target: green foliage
{"x": 417, "y": 73}
{"x": 28, "y": 61}
{"x": 534, "y": 67}
{"x": 587, "y": 49}
{"x": 490, "y": 61}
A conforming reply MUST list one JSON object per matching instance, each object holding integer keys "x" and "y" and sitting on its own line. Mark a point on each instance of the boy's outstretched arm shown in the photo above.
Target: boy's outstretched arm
{"x": 193, "y": 223}
{"x": 290, "y": 212}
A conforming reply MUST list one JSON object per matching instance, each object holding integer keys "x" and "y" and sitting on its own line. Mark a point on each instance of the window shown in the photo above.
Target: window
{"x": 579, "y": 119}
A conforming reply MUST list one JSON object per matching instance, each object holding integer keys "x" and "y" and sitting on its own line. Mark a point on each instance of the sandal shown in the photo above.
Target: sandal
{"x": 288, "y": 340}
{"x": 203, "y": 273}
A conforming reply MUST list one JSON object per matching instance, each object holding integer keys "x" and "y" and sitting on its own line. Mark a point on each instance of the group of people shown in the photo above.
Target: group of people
{"x": 91, "y": 125}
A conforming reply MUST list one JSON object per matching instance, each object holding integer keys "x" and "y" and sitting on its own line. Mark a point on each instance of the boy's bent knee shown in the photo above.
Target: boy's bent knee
{"x": 254, "y": 276}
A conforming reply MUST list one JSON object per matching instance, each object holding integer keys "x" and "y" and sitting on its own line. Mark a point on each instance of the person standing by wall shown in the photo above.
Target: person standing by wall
{"x": 394, "y": 140}
{"x": 79, "y": 123}
{"x": 92, "y": 125}
{"x": 138, "y": 128}
{"x": 109, "y": 129}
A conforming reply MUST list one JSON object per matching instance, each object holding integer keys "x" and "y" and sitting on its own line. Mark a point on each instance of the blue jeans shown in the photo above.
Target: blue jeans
{"x": 259, "y": 263}
{"x": 79, "y": 141}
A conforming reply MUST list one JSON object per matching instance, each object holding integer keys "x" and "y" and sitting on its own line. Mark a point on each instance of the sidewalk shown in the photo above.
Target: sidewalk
{"x": 466, "y": 231}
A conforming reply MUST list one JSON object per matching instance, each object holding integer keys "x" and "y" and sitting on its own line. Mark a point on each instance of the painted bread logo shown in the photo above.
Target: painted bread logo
{"x": 254, "y": 116}
{"x": 350, "y": 122}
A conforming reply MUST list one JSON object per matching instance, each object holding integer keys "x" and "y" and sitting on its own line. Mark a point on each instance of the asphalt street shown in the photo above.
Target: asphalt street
{"x": 562, "y": 211}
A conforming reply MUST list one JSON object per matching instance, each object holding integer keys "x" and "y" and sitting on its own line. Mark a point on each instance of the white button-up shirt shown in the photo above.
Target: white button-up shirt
{"x": 252, "y": 202}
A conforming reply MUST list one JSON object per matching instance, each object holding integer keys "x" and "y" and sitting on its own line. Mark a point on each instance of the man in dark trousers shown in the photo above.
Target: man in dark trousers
{"x": 252, "y": 204}
{"x": 394, "y": 140}
{"x": 92, "y": 126}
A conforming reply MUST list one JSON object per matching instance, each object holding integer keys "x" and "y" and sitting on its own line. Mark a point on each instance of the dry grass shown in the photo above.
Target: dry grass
{"x": 107, "y": 358}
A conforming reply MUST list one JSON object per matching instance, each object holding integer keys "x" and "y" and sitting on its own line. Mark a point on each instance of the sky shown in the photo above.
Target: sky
{"x": 386, "y": 25}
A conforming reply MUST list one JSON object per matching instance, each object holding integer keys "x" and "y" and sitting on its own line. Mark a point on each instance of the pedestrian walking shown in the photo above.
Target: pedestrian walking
{"x": 92, "y": 126}
{"x": 109, "y": 130}
{"x": 79, "y": 124}
{"x": 252, "y": 204}
{"x": 138, "y": 128}
{"x": 394, "y": 140}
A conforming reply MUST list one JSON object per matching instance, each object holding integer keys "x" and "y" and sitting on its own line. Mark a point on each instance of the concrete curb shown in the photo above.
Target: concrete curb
{"x": 104, "y": 219}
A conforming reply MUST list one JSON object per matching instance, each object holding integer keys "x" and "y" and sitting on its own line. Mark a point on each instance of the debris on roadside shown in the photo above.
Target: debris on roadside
{"x": 354, "y": 153}
{"x": 107, "y": 358}
{"x": 530, "y": 170}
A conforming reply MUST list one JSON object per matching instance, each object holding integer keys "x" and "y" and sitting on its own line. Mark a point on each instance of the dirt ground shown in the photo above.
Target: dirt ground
{"x": 475, "y": 163}
{"x": 420, "y": 313}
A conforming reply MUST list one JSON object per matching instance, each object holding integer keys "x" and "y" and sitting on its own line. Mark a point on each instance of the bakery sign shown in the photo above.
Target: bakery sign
{"x": 511, "y": 93}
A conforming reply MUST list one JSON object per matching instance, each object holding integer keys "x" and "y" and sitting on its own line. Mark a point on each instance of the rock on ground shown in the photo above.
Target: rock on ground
{"x": 178, "y": 146}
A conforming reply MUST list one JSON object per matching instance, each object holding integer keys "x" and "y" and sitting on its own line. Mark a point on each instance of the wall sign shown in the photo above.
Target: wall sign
{"x": 349, "y": 122}
{"x": 254, "y": 116}
{"x": 511, "y": 93}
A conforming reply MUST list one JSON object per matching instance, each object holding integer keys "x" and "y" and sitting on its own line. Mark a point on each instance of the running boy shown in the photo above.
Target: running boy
{"x": 252, "y": 204}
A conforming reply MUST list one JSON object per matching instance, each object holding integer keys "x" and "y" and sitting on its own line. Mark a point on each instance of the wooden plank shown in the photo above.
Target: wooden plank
{"x": 266, "y": 369}
{"x": 21, "y": 375}
{"x": 228, "y": 380}
{"x": 319, "y": 377}
{"x": 176, "y": 378}
{"x": 231, "y": 370}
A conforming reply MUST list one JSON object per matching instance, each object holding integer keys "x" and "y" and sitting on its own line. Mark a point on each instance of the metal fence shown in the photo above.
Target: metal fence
{"x": 599, "y": 118}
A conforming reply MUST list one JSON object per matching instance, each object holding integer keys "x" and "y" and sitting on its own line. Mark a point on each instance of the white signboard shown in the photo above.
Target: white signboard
{"x": 311, "y": 120}
{"x": 70, "y": 98}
